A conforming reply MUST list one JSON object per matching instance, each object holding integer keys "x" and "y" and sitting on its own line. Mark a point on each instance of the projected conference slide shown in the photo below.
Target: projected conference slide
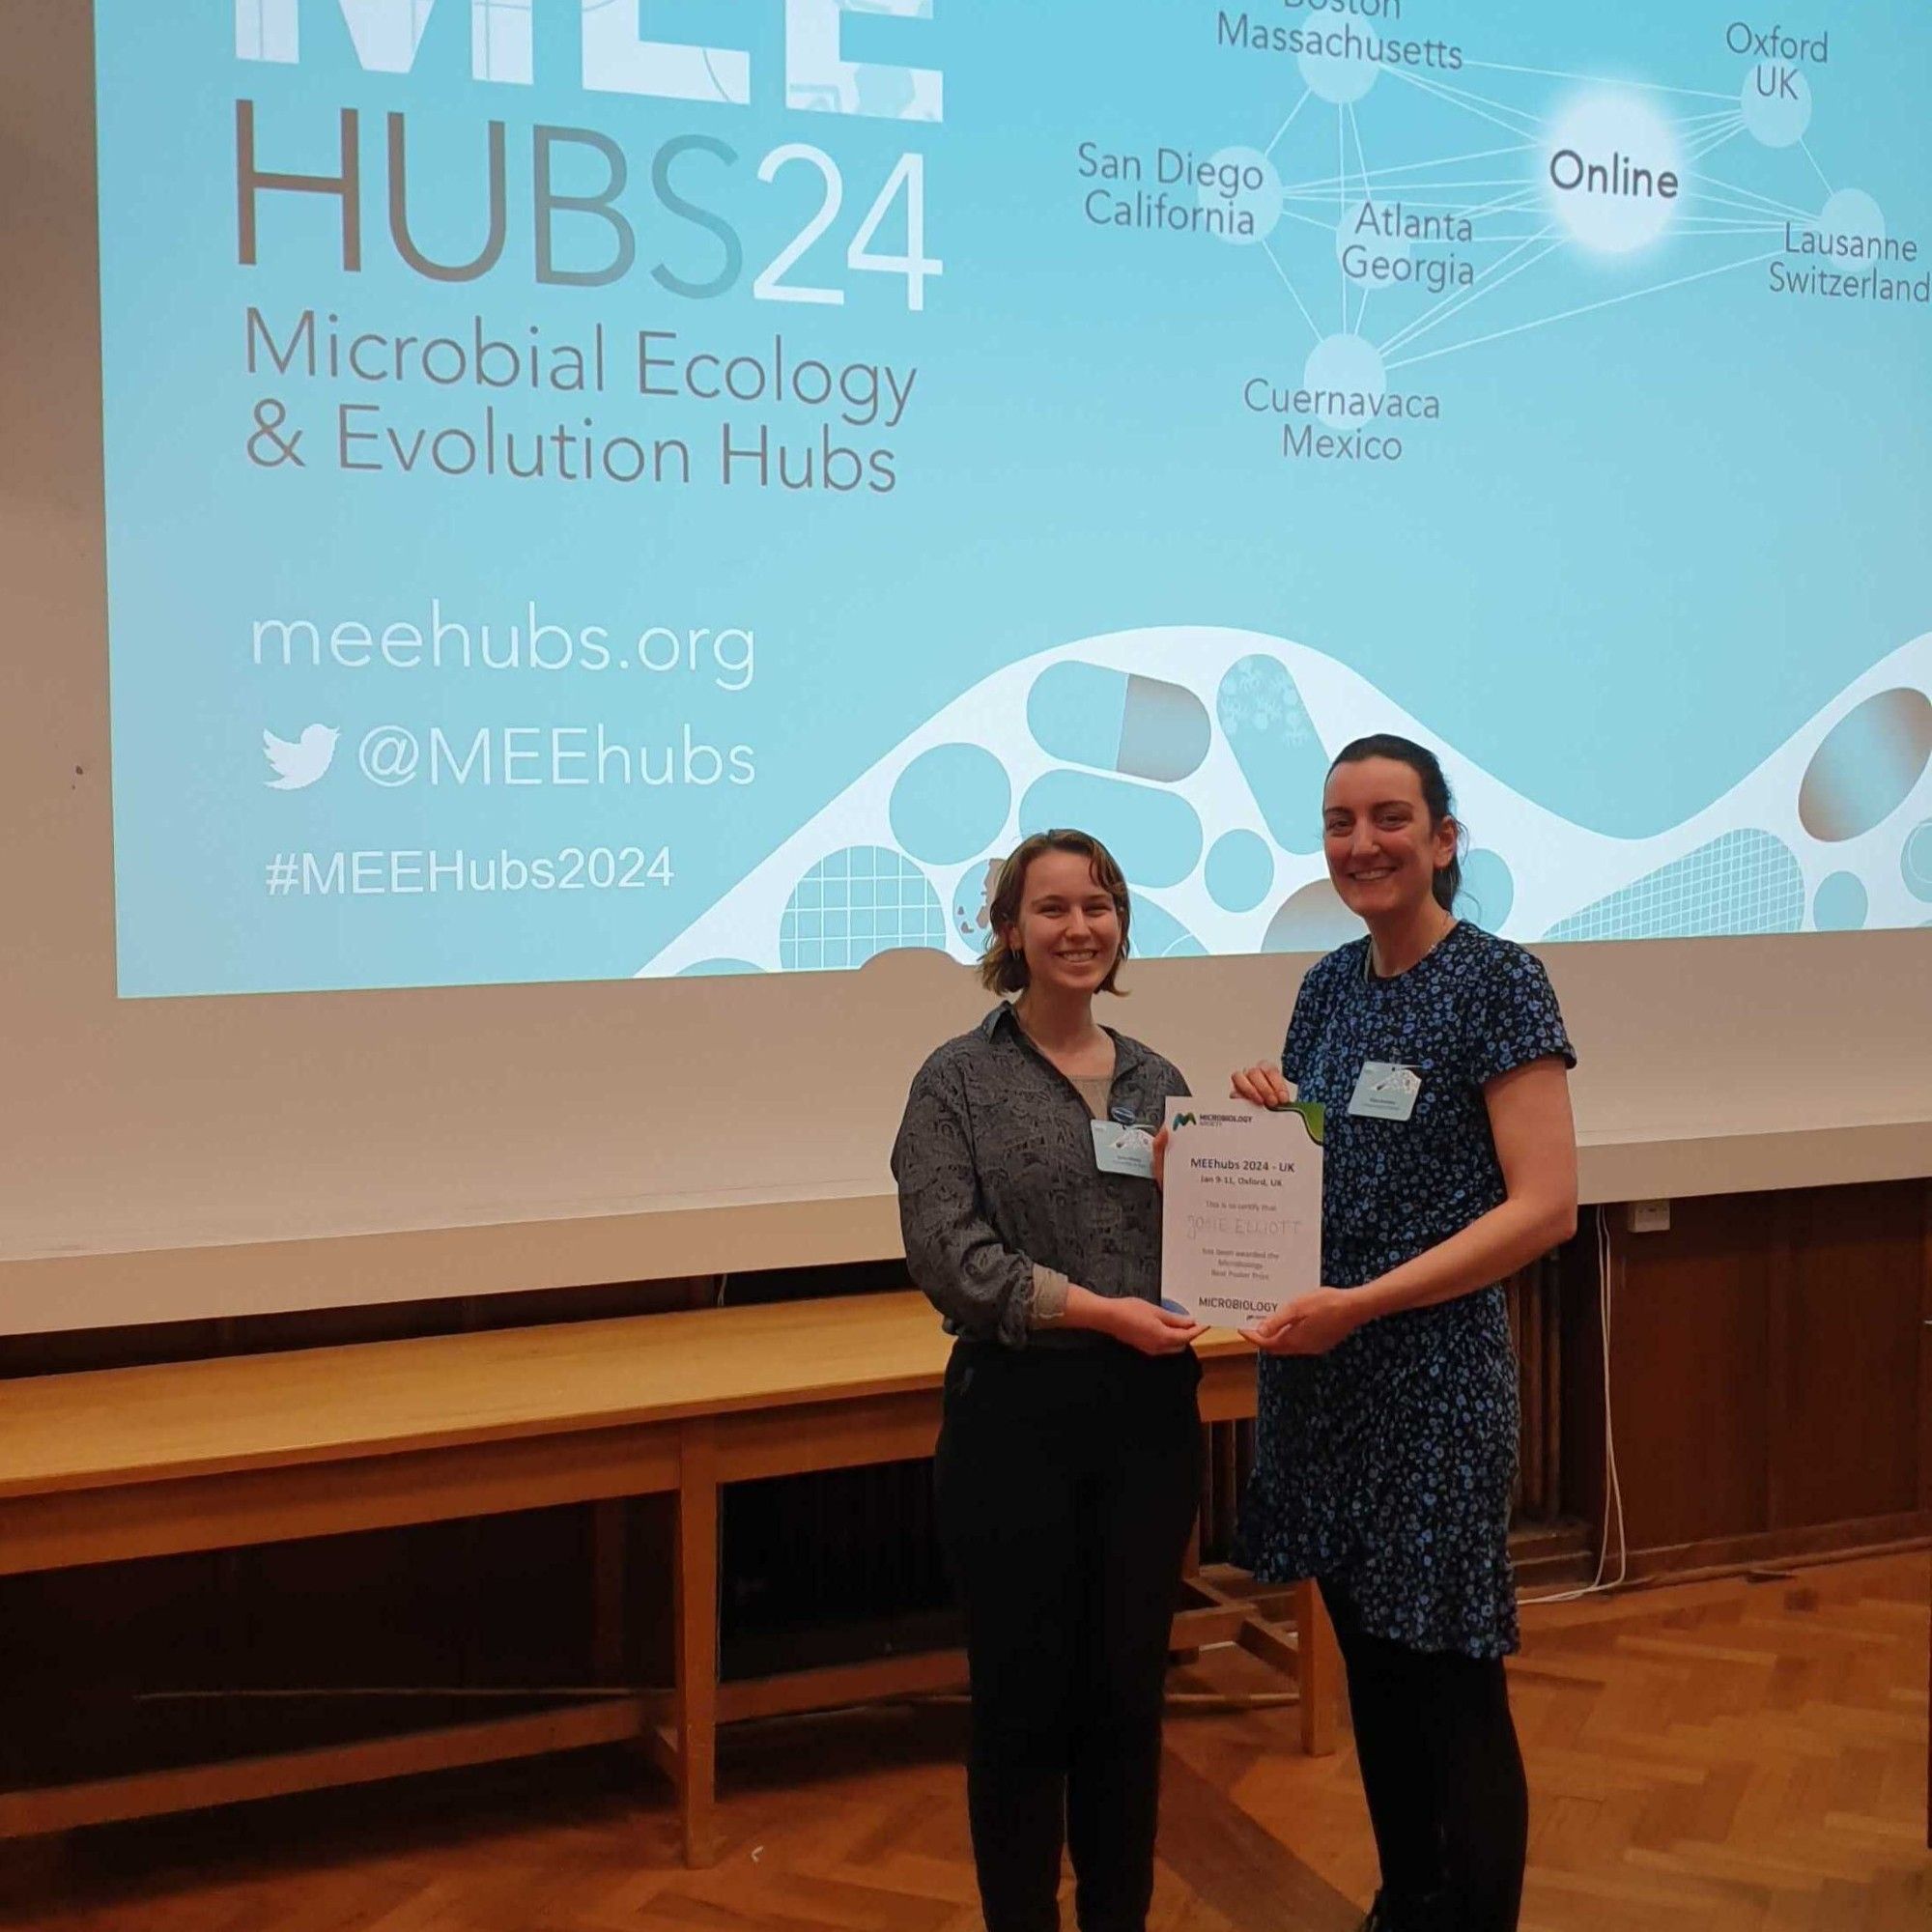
{"x": 673, "y": 487}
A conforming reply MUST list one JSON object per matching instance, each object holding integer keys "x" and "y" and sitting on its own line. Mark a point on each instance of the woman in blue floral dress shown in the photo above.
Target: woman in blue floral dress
{"x": 1386, "y": 1440}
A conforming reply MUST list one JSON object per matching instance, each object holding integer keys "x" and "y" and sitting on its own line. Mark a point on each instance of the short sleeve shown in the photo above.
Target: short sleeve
{"x": 1304, "y": 1026}
{"x": 1516, "y": 1019}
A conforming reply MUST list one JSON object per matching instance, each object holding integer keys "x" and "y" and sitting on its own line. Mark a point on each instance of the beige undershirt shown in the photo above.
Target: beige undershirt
{"x": 1049, "y": 1285}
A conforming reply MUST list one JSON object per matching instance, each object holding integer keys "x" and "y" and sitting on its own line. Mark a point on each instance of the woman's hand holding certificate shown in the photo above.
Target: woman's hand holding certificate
{"x": 1310, "y": 1324}
{"x": 1261, "y": 1084}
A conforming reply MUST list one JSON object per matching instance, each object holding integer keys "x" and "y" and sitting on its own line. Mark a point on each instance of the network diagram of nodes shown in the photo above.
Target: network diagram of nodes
{"x": 1393, "y": 261}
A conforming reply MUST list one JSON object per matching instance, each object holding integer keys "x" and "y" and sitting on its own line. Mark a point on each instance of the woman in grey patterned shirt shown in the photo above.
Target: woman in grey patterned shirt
{"x": 1068, "y": 1466}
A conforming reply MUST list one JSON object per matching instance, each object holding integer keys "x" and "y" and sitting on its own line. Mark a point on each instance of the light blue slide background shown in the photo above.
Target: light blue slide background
{"x": 1643, "y": 548}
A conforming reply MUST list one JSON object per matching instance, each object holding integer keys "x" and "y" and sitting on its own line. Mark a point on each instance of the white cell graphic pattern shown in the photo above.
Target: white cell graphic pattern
{"x": 855, "y": 905}
{"x": 1743, "y": 882}
{"x": 840, "y": 889}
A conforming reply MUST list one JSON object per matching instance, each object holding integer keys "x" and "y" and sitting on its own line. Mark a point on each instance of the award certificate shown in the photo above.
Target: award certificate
{"x": 1241, "y": 1214}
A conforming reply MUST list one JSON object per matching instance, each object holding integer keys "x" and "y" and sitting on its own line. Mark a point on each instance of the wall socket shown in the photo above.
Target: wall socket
{"x": 1649, "y": 1217}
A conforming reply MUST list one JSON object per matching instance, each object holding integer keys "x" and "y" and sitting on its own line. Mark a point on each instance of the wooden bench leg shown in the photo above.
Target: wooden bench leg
{"x": 696, "y": 1700}
{"x": 1318, "y": 1669}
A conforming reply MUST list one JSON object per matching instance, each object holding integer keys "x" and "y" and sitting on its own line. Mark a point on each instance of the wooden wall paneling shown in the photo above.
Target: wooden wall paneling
{"x": 1715, "y": 1556}
{"x": 79, "y": 1648}
{"x": 1925, "y": 1351}
{"x": 1578, "y": 1345}
{"x": 1229, "y": 1476}
{"x": 1689, "y": 1370}
{"x": 650, "y": 1547}
{"x": 1848, "y": 1308}
{"x": 609, "y": 1537}
{"x": 1783, "y": 1376}
{"x": 473, "y": 1606}
{"x": 1523, "y": 1497}
{"x": 1772, "y": 1401}
{"x": 1542, "y": 1317}
{"x": 1531, "y": 1321}
{"x": 388, "y": 1608}
{"x": 1225, "y": 1467}
{"x": 534, "y": 1581}
{"x": 1552, "y": 1381}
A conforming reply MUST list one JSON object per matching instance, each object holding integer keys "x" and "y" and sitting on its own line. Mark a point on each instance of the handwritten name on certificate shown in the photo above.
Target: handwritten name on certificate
{"x": 1242, "y": 1211}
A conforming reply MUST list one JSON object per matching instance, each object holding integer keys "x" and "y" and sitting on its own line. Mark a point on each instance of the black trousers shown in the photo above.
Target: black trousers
{"x": 1067, "y": 1482}
{"x": 1443, "y": 1776}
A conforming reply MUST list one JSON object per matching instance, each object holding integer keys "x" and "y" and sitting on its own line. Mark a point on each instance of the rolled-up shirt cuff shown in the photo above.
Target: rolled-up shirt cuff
{"x": 1049, "y": 1296}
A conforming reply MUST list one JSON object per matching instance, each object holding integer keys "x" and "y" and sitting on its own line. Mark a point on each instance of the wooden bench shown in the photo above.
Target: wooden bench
{"x": 149, "y": 1461}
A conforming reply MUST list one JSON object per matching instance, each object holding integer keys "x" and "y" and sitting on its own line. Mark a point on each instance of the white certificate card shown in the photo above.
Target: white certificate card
{"x": 1241, "y": 1214}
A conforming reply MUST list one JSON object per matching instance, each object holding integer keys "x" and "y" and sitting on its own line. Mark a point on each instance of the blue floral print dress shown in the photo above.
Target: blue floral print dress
{"x": 1385, "y": 1466}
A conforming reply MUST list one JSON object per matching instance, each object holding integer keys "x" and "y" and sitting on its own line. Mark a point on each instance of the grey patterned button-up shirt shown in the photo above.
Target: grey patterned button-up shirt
{"x": 996, "y": 1173}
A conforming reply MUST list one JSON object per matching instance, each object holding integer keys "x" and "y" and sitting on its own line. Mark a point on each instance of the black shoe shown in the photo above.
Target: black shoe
{"x": 1419, "y": 1912}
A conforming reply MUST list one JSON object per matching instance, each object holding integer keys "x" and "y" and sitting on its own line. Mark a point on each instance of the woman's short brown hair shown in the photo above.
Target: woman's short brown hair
{"x": 1002, "y": 968}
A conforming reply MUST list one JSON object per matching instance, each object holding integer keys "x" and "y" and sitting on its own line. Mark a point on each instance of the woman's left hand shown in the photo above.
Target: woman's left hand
{"x": 1309, "y": 1325}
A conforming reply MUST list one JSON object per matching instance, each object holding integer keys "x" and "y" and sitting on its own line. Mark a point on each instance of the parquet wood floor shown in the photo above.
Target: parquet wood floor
{"x": 1718, "y": 1756}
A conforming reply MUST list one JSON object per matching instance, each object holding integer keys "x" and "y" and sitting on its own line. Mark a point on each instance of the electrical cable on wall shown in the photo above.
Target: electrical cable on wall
{"x": 1613, "y": 1493}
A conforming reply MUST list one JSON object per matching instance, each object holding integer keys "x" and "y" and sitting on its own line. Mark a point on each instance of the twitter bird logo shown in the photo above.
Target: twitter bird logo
{"x": 301, "y": 762}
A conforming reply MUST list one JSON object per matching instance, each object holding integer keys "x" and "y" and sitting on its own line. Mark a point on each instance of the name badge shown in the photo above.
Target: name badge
{"x": 1121, "y": 1148}
{"x": 1385, "y": 1092}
